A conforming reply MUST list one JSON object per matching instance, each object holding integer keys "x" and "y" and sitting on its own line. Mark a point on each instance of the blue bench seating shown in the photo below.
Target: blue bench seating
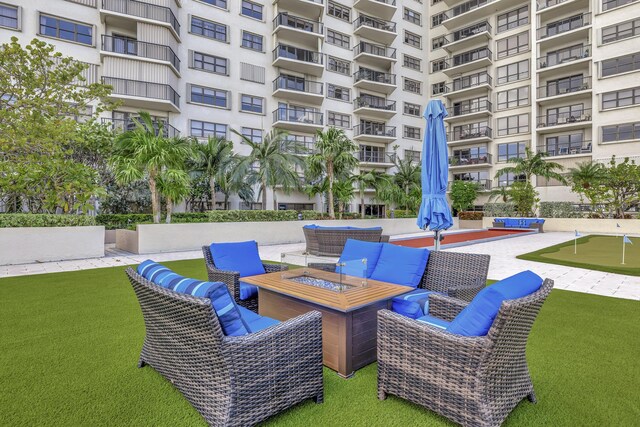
{"x": 535, "y": 223}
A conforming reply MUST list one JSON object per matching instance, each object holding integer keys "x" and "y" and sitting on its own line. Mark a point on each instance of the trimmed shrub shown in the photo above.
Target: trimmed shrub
{"x": 558, "y": 210}
{"x": 470, "y": 216}
{"x": 247, "y": 216}
{"x": 122, "y": 221}
{"x": 401, "y": 213}
{"x": 45, "y": 220}
{"x": 499, "y": 209}
{"x": 312, "y": 215}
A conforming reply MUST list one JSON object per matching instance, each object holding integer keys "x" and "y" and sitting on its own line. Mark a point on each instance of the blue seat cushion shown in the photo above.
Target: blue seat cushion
{"x": 248, "y": 291}
{"x": 434, "y": 321}
{"x": 401, "y": 265}
{"x": 413, "y": 304}
{"x": 477, "y": 317}
{"x": 255, "y": 321}
{"x": 242, "y": 257}
{"x": 150, "y": 270}
{"x": 353, "y": 253}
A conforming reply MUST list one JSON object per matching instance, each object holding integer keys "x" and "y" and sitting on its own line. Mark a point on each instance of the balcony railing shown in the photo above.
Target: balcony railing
{"x": 612, "y": 4}
{"x": 367, "y": 101}
{"x": 483, "y": 159}
{"x": 377, "y": 23}
{"x": 460, "y": 59}
{"x": 564, "y": 56}
{"x": 132, "y": 47}
{"x": 548, "y": 3}
{"x": 464, "y": 33}
{"x": 143, "y": 89}
{"x": 483, "y": 184}
{"x": 298, "y": 23}
{"x": 297, "y": 115}
{"x": 461, "y": 134}
{"x": 564, "y": 25}
{"x": 470, "y": 106}
{"x": 374, "y": 76}
{"x": 297, "y": 54}
{"x": 298, "y": 84}
{"x": 123, "y": 125}
{"x": 143, "y": 10}
{"x": 376, "y": 157}
{"x": 465, "y": 7}
{"x": 375, "y": 130}
{"x": 563, "y": 118}
{"x": 469, "y": 81}
{"x": 374, "y": 49}
{"x": 564, "y": 86}
{"x": 581, "y": 147}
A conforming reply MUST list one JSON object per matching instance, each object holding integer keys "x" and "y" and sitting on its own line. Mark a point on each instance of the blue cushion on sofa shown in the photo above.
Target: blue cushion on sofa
{"x": 247, "y": 291}
{"x": 401, "y": 265}
{"x": 477, "y": 317}
{"x": 434, "y": 321}
{"x": 255, "y": 321}
{"x": 242, "y": 257}
{"x": 413, "y": 304}
{"x": 353, "y": 253}
{"x": 150, "y": 270}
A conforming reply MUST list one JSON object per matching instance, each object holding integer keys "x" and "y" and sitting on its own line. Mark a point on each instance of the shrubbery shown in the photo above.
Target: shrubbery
{"x": 45, "y": 220}
{"x": 470, "y": 216}
{"x": 558, "y": 210}
{"x": 401, "y": 213}
{"x": 499, "y": 209}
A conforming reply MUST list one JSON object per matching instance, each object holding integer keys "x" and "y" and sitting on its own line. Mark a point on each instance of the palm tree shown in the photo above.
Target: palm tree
{"x": 343, "y": 192}
{"x": 273, "y": 161}
{"x": 368, "y": 179}
{"x": 238, "y": 182}
{"x": 333, "y": 156}
{"x": 212, "y": 158}
{"x": 145, "y": 151}
{"x": 533, "y": 164}
{"x": 501, "y": 193}
{"x": 586, "y": 174}
{"x": 174, "y": 185}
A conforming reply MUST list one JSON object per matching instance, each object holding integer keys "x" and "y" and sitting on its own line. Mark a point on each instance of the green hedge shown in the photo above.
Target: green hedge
{"x": 499, "y": 209}
{"x": 558, "y": 210}
{"x": 247, "y": 216}
{"x": 45, "y": 220}
{"x": 122, "y": 221}
{"x": 401, "y": 213}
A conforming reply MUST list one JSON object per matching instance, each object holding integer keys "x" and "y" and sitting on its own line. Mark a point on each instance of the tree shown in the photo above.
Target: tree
{"x": 273, "y": 161}
{"x": 368, "y": 179}
{"x": 586, "y": 179}
{"x": 463, "y": 194}
{"x": 524, "y": 197}
{"x": 174, "y": 185}
{"x": 404, "y": 189}
{"x": 144, "y": 152}
{"x": 620, "y": 186}
{"x": 212, "y": 159}
{"x": 501, "y": 193}
{"x": 343, "y": 192}
{"x": 231, "y": 181}
{"x": 334, "y": 155}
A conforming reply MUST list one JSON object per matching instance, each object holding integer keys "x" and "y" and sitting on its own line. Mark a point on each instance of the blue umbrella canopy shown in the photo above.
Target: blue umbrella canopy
{"x": 434, "y": 209}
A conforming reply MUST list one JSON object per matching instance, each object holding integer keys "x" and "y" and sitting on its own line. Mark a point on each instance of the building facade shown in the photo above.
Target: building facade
{"x": 557, "y": 76}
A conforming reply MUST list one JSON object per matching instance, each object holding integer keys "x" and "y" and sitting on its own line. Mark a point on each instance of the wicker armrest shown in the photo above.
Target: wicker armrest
{"x": 445, "y": 307}
{"x": 468, "y": 291}
{"x": 328, "y": 266}
{"x": 274, "y": 268}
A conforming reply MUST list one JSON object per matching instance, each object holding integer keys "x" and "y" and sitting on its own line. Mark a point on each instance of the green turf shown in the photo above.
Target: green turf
{"x": 70, "y": 341}
{"x": 602, "y": 253}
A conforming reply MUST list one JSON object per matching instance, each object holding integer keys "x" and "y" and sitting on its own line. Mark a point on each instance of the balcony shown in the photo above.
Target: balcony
{"x": 374, "y": 54}
{"x": 374, "y": 132}
{"x": 568, "y": 87}
{"x": 469, "y": 85}
{"x": 309, "y": 8}
{"x": 573, "y": 28}
{"x": 374, "y": 106}
{"x": 564, "y": 121}
{"x": 375, "y": 29}
{"x": 298, "y": 29}
{"x": 469, "y": 135}
{"x": 122, "y": 125}
{"x": 568, "y": 149}
{"x": 474, "y": 10}
{"x": 140, "y": 9}
{"x": 376, "y": 81}
{"x": 376, "y": 158}
{"x": 296, "y": 59}
{"x": 298, "y": 119}
{"x": 463, "y": 62}
{"x": 483, "y": 160}
{"x": 483, "y": 184}
{"x": 467, "y": 37}
{"x": 384, "y": 9}
{"x": 130, "y": 47}
{"x": 467, "y": 109}
{"x": 298, "y": 89}
{"x": 569, "y": 59}
{"x": 146, "y": 95}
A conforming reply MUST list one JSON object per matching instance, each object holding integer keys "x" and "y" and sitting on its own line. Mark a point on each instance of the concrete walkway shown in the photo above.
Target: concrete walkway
{"x": 503, "y": 263}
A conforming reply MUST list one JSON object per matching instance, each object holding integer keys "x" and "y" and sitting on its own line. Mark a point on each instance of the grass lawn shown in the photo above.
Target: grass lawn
{"x": 602, "y": 253}
{"x": 70, "y": 343}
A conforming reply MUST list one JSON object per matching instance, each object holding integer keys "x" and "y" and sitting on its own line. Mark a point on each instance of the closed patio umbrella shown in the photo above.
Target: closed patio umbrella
{"x": 434, "y": 210}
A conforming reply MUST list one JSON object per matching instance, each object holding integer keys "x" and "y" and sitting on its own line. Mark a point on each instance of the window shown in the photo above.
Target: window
{"x": 209, "y": 29}
{"x": 437, "y": 42}
{"x": 252, "y": 41}
{"x": 513, "y": 19}
{"x": 621, "y": 31}
{"x": 412, "y": 86}
{"x": 471, "y": 130}
{"x": 610, "y": 4}
{"x": 339, "y": 66}
{"x": 9, "y": 16}
{"x": 412, "y": 109}
{"x": 307, "y": 142}
{"x": 469, "y": 156}
{"x": 252, "y": 10}
{"x": 338, "y": 92}
{"x": 219, "y": 3}
{"x": 621, "y": 98}
{"x": 210, "y": 63}
{"x": 481, "y": 177}
{"x": 411, "y": 132}
{"x": 339, "y": 11}
{"x": 412, "y": 155}
{"x": 411, "y": 62}
{"x": 507, "y": 179}
{"x": 513, "y": 45}
{"x": 565, "y": 144}
{"x": 513, "y": 72}
{"x": 472, "y": 55}
{"x": 471, "y": 106}
{"x": 566, "y": 54}
{"x": 513, "y": 98}
{"x": 437, "y": 19}
{"x": 438, "y": 88}
{"x": 412, "y": 39}
{"x": 412, "y": 16}
{"x": 564, "y": 114}
{"x": 201, "y": 129}
{"x": 564, "y": 85}
{"x": 621, "y": 64}
{"x": 621, "y": 132}
{"x": 66, "y": 30}
{"x": 209, "y": 96}
{"x": 513, "y": 124}
{"x": 251, "y": 104}
{"x": 564, "y": 25}
{"x": 511, "y": 150}
{"x": 438, "y": 65}
{"x": 339, "y": 120}
{"x": 253, "y": 135}
{"x": 338, "y": 39}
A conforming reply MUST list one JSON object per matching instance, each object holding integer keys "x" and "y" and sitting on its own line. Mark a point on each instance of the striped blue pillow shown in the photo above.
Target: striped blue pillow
{"x": 150, "y": 270}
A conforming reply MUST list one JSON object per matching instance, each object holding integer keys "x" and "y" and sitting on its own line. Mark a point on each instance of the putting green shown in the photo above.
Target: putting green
{"x": 602, "y": 253}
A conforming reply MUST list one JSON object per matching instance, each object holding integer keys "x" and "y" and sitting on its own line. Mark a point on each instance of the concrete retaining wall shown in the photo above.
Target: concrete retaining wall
{"x": 585, "y": 225}
{"x": 22, "y": 245}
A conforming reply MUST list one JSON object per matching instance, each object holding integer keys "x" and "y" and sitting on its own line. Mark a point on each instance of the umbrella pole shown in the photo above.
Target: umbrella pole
{"x": 436, "y": 240}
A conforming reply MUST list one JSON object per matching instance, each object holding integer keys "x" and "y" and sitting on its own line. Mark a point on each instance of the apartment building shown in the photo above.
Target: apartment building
{"x": 557, "y": 76}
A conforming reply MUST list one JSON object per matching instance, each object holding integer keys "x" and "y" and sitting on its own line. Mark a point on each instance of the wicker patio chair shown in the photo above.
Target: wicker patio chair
{"x": 232, "y": 278}
{"x": 474, "y": 381}
{"x": 330, "y": 242}
{"x": 230, "y": 381}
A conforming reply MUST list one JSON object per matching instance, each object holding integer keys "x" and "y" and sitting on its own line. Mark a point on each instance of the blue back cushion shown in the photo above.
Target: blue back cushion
{"x": 477, "y": 317}
{"x": 242, "y": 257}
{"x": 401, "y": 265}
{"x": 150, "y": 270}
{"x": 353, "y": 253}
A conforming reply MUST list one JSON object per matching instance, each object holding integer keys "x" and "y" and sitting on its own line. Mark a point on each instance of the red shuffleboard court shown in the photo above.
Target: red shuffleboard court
{"x": 464, "y": 237}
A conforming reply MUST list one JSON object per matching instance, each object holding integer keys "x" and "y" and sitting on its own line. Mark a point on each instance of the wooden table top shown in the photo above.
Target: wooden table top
{"x": 347, "y": 300}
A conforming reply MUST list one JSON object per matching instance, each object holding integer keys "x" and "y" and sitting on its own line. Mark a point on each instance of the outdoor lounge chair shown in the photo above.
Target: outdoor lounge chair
{"x": 230, "y": 380}
{"x": 472, "y": 380}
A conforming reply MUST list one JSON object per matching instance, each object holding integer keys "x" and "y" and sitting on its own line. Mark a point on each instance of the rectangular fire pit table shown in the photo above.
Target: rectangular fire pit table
{"x": 349, "y": 314}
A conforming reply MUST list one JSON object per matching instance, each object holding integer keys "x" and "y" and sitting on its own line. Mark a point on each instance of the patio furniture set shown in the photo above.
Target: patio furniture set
{"x": 251, "y": 341}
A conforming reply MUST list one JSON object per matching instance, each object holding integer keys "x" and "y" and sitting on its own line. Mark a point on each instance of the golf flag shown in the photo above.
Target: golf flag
{"x": 575, "y": 242}
{"x": 626, "y": 239}
{"x": 578, "y": 234}
{"x": 617, "y": 225}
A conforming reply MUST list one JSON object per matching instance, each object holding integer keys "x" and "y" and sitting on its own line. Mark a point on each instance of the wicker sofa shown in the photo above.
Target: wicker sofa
{"x": 330, "y": 241}
{"x": 230, "y": 380}
{"x": 473, "y": 381}
{"x": 533, "y": 223}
